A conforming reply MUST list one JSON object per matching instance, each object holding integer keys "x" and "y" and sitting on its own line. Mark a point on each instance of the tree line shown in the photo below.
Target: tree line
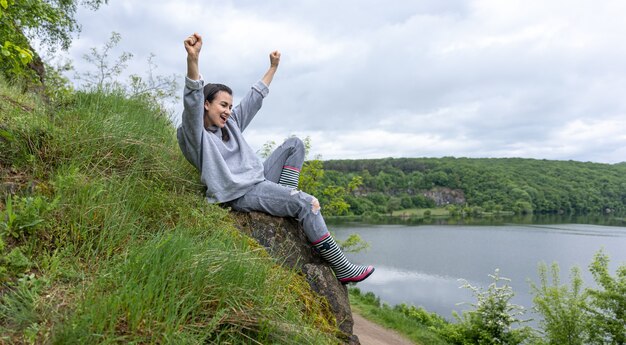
{"x": 480, "y": 184}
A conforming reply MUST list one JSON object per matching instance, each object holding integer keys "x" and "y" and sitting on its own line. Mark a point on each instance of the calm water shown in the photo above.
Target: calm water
{"x": 421, "y": 265}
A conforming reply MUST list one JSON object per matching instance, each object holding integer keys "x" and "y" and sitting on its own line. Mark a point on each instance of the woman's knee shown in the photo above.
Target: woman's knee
{"x": 296, "y": 143}
{"x": 307, "y": 203}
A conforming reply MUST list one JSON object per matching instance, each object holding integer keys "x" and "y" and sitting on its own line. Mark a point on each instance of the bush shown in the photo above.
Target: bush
{"x": 492, "y": 319}
{"x": 562, "y": 307}
{"x": 607, "y": 303}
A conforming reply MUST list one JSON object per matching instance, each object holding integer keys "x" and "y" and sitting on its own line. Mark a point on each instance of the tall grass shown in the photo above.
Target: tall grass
{"x": 128, "y": 251}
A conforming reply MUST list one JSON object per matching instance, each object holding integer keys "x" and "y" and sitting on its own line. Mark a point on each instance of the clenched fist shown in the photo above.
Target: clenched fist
{"x": 274, "y": 58}
{"x": 193, "y": 44}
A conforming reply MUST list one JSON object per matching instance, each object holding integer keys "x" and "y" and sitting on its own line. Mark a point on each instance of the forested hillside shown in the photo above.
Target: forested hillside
{"x": 489, "y": 184}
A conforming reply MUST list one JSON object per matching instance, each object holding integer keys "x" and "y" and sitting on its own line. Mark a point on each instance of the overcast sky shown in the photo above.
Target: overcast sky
{"x": 396, "y": 78}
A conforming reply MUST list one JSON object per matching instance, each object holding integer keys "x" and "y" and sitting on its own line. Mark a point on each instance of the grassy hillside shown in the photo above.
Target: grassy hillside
{"x": 105, "y": 237}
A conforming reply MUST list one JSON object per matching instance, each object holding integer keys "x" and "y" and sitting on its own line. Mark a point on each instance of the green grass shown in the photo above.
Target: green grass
{"x": 414, "y": 323}
{"x": 419, "y": 212}
{"x": 108, "y": 240}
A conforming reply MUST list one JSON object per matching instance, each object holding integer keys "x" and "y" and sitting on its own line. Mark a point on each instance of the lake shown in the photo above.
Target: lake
{"x": 422, "y": 265}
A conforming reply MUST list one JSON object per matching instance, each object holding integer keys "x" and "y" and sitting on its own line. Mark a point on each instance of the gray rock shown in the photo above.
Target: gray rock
{"x": 285, "y": 241}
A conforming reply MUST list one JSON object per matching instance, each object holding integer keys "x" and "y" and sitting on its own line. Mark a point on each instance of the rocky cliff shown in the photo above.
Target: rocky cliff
{"x": 284, "y": 240}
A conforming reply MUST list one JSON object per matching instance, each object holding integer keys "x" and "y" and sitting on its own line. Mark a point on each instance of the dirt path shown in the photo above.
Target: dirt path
{"x": 370, "y": 333}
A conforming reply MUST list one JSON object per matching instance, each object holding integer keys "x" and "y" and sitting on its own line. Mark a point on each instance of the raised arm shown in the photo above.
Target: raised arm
{"x": 250, "y": 104}
{"x": 274, "y": 61}
{"x": 193, "y": 45}
{"x": 190, "y": 132}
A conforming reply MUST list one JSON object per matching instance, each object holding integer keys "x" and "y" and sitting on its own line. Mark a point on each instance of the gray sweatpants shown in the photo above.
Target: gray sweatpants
{"x": 270, "y": 197}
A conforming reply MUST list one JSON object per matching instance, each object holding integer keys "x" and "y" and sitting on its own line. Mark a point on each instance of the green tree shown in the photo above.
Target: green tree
{"x": 406, "y": 202}
{"x": 311, "y": 176}
{"x": 523, "y": 207}
{"x": 393, "y": 204}
{"x": 493, "y": 317}
{"x": 563, "y": 308}
{"x": 51, "y": 22}
{"x": 355, "y": 183}
{"x": 607, "y": 303}
{"x": 333, "y": 201}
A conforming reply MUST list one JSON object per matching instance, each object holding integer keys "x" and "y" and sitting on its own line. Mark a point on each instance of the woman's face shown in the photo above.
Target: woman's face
{"x": 218, "y": 110}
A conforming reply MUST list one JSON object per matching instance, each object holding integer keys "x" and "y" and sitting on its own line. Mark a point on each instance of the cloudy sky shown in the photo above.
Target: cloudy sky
{"x": 396, "y": 78}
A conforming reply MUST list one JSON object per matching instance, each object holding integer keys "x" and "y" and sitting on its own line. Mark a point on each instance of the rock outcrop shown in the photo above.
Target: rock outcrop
{"x": 284, "y": 240}
{"x": 445, "y": 196}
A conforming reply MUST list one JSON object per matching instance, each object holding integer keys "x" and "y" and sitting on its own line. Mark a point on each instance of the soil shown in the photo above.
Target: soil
{"x": 370, "y": 333}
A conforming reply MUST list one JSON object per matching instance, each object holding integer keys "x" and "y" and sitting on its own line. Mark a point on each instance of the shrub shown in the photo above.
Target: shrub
{"x": 562, "y": 307}
{"x": 492, "y": 319}
{"x": 607, "y": 303}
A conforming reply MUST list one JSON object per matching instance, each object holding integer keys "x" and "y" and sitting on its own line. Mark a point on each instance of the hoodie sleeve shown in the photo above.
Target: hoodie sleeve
{"x": 189, "y": 133}
{"x": 245, "y": 111}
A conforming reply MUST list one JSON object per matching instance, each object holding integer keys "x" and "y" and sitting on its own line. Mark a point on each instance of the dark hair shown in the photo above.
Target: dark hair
{"x": 210, "y": 90}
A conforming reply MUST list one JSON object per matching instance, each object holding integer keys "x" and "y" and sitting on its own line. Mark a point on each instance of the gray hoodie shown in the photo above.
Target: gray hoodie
{"x": 228, "y": 169}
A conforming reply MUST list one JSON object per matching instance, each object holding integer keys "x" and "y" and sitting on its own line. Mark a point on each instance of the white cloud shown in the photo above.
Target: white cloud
{"x": 482, "y": 78}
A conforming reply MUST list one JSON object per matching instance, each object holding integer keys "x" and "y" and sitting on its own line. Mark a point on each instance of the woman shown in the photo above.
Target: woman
{"x": 210, "y": 138}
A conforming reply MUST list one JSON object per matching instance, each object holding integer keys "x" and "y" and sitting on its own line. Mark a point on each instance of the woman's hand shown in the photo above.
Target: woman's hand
{"x": 193, "y": 44}
{"x": 274, "y": 61}
{"x": 274, "y": 58}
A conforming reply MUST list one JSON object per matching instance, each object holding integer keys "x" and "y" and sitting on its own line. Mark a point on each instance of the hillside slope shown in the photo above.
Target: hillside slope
{"x": 105, "y": 237}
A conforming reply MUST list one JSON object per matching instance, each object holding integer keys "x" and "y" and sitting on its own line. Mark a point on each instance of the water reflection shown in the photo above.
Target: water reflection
{"x": 422, "y": 265}
{"x": 397, "y": 286}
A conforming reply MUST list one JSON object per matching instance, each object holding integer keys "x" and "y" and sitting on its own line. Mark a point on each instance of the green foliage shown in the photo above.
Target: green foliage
{"x": 105, "y": 76}
{"x": 393, "y": 204}
{"x": 151, "y": 87}
{"x": 355, "y": 183}
{"x": 414, "y": 323}
{"x": 25, "y": 215}
{"x": 564, "y": 319}
{"x": 13, "y": 264}
{"x": 267, "y": 149}
{"x": 171, "y": 289}
{"x": 353, "y": 244}
{"x": 571, "y": 314}
{"x": 19, "y": 309}
{"x": 111, "y": 217}
{"x": 15, "y": 58}
{"x": 505, "y": 184}
{"x": 607, "y": 303}
{"x": 522, "y": 207}
{"x": 333, "y": 199}
{"x": 51, "y": 22}
{"x": 311, "y": 177}
{"x": 58, "y": 88}
{"x": 453, "y": 210}
{"x": 421, "y": 315}
{"x": 493, "y": 316}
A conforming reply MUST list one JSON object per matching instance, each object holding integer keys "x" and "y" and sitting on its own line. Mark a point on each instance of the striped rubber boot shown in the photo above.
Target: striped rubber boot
{"x": 289, "y": 176}
{"x": 345, "y": 271}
